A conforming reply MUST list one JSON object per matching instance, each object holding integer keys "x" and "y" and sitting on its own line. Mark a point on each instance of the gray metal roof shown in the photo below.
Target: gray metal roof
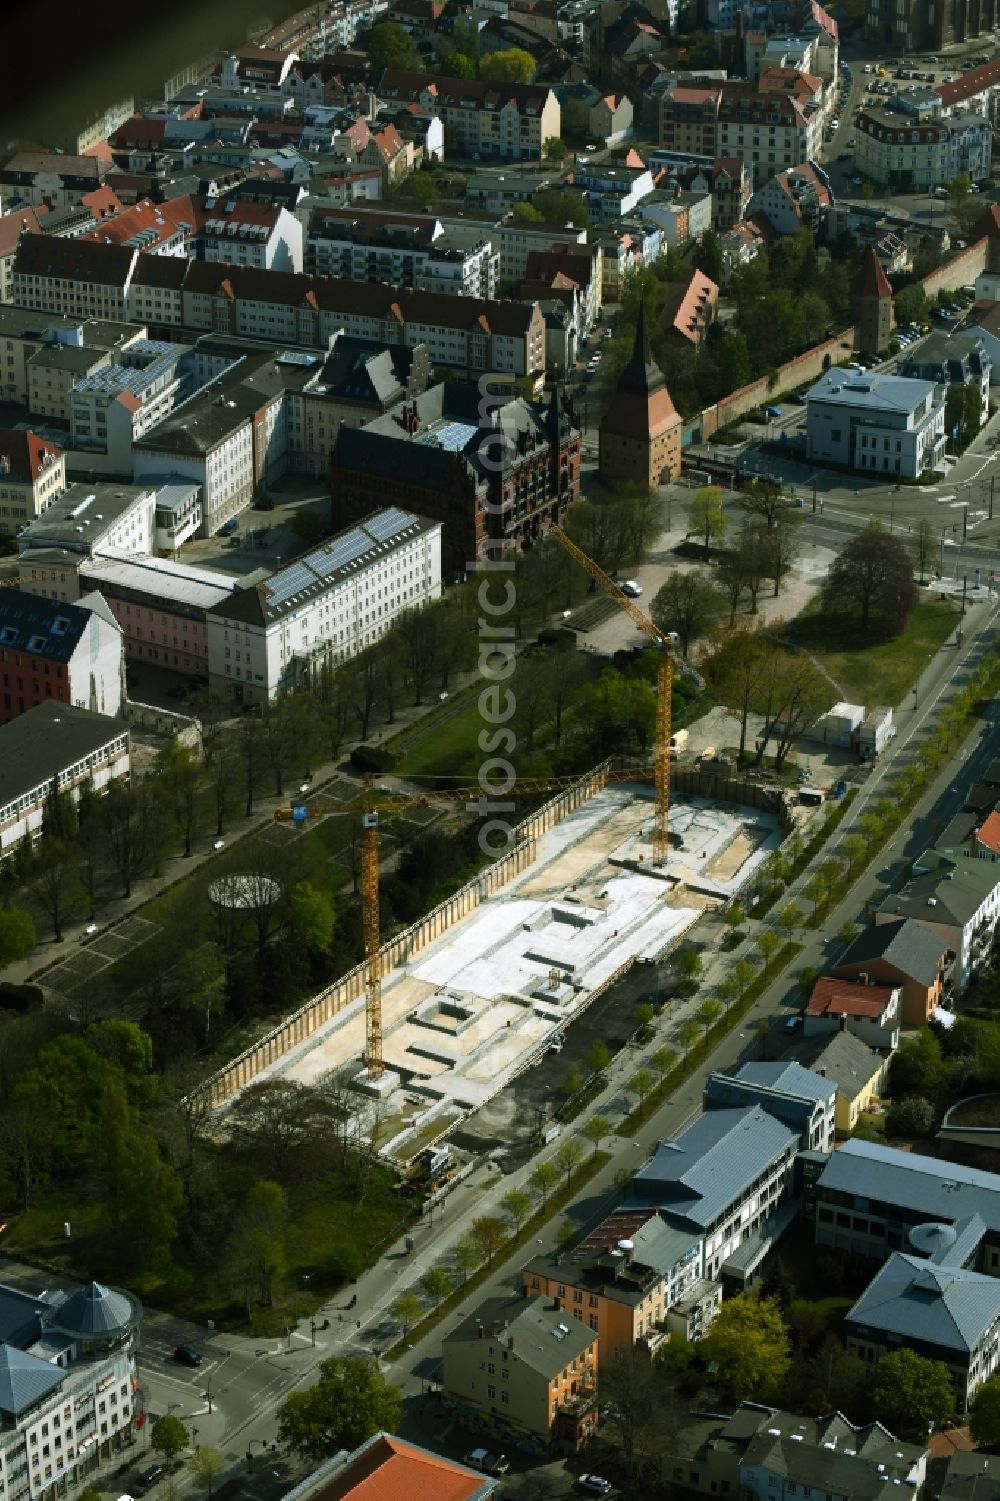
{"x": 94, "y": 1310}
{"x": 847, "y": 1062}
{"x": 926, "y": 1186}
{"x": 42, "y": 742}
{"x": 25, "y": 1380}
{"x": 20, "y": 1314}
{"x": 790, "y": 1078}
{"x": 708, "y": 1167}
{"x": 915, "y": 1299}
{"x": 545, "y": 1337}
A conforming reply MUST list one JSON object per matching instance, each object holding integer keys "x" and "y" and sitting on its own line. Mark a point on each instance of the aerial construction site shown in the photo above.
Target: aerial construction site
{"x": 483, "y": 1000}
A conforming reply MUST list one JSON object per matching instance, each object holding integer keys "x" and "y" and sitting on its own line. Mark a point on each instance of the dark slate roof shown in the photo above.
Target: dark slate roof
{"x": 945, "y": 1306}
{"x": 543, "y": 1337}
{"x": 20, "y": 1314}
{"x": 382, "y": 454}
{"x": 846, "y": 1061}
{"x": 74, "y": 260}
{"x": 924, "y": 1186}
{"x": 38, "y": 744}
{"x": 94, "y": 1310}
{"x": 907, "y": 945}
{"x": 45, "y": 628}
{"x": 25, "y": 1380}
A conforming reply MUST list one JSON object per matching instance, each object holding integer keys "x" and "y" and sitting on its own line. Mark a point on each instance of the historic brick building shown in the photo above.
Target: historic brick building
{"x": 496, "y": 475}
{"x": 640, "y": 437}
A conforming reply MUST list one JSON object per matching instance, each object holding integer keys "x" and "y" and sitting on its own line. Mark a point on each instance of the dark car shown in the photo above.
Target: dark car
{"x": 184, "y": 1355}
{"x": 147, "y": 1480}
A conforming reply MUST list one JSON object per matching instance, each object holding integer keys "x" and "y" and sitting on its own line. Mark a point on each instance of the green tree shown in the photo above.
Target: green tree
{"x": 688, "y": 964}
{"x": 595, "y": 1130}
{"x": 911, "y": 1116}
{"x": 350, "y": 1401}
{"x": 642, "y": 1084}
{"x": 566, "y": 1234}
{"x": 853, "y": 848}
{"x": 847, "y": 932}
{"x": 790, "y": 918}
{"x": 749, "y": 1346}
{"x": 391, "y": 46}
{"x": 311, "y": 915}
{"x": 912, "y": 1395}
{"x": 205, "y": 1464}
{"x": 598, "y": 1057}
{"x": 437, "y": 1283}
{"x": 260, "y": 1234}
{"x": 543, "y": 1180}
{"x": 686, "y": 604}
{"x": 911, "y": 304}
{"x": 734, "y": 917}
{"x": 707, "y": 1014}
{"x": 770, "y": 946}
{"x": 708, "y": 256}
{"x": 406, "y": 1310}
{"x": 169, "y": 1437}
{"x": 517, "y": 1206}
{"x": 568, "y": 1156}
{"x": 707, "y": 517}
{"x": 644, "y": 1016}
{"x": 17, "y": 935}
{"x": 554, "y": 148}
{"x": 489, "y": 1234}
{"x": 744, "y": 974}
{"x": 526, "y": 213}
{"x": 984, "y": 1420}
{"x": 512, "y": 65}
{"x": 687, "y": 1035}
{"x": 664, "y": 1061}
{"x": 923, "y": 545}
{"x": 467, "y": 1257}
{"x": 871, "y": 582}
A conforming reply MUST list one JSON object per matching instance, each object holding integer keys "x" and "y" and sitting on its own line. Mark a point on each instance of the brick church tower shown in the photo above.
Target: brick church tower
{"x": 872, "y": 307}
{"x": 640, "y": 435}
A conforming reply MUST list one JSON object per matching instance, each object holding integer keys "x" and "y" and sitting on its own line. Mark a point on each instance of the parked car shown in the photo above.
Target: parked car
{"x": 593, "y": 1485}
{"x": 793, "y": 1024}
{"x": 632, "y": 588}
{"x": 147, "y": 1480}
{"x": 184, "y": 1355}
{"x": 772, "y": 411}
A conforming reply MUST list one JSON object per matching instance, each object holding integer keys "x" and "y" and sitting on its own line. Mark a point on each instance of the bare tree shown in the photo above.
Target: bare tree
{"x": 126, "y": 830}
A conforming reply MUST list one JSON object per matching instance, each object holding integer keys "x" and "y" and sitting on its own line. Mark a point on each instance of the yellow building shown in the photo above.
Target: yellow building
{"x": 858, "y": 1074}
{"x": 525, "y": 1371}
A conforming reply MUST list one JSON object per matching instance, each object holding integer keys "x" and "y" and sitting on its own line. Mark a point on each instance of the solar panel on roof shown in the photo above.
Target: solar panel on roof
{"x": 295, "y": 357}
{"x": 288, "y": 582}
{"x": 341, "y": 552}
{"x": 453, "y": 436}
{"x": 388, "y": 524}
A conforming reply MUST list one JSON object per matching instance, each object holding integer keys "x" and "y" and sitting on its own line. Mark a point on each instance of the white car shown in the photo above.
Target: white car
{"x": 631, "y": 588}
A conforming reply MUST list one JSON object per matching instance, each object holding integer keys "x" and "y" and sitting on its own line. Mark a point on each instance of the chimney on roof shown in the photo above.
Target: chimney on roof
{"x": 821, "y": 1072}
{"x": 863, "y": 978}
{"x": 482, "y": 1332}
{"x": 510, "y": 1342}
{"x": 843, "y": 1022}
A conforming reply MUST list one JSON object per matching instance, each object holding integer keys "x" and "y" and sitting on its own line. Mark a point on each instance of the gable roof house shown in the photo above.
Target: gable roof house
{"x": 959, "y": 900}
{"x": 856, "y": 1072}
{"x": 871, "y": 1012}
{"x": 800, "y": 1097}
{"x": 901, "y": 952}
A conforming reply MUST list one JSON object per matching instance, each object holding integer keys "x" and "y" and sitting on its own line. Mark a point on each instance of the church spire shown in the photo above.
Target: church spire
{"x": 641, "y": 375}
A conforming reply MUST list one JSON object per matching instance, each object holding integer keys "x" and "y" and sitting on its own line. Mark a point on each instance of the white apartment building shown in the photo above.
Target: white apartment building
{"x": 210, "y": 444}
{"x": 32, "y": 476}
{"x": 241, "y": 232}
{"x": 875, "y": 423}
{"x": 51, "y": 748}
{"x": 113, "y": 407}
{"x": 418, "y": 254}
{"x": 911, "y": 153}
{"x": 511, "y": 121}
{"x": 324, "y": 608}
{"x": 772, "y": 130}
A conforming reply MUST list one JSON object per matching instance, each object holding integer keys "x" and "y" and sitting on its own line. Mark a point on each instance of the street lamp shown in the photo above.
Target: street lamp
{"x": 312, "y": 1331}
{"x": 208, "y": 1392}
{"x": 250, "y": 1443}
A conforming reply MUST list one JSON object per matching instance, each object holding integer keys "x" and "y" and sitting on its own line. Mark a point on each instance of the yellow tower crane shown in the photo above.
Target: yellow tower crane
{"x": 664, "y": 688}
{"x": 367, "y": 804}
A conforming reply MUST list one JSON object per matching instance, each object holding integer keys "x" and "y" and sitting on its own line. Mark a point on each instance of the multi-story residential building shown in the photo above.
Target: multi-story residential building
{"x": 910, "y": 153}
{"x": 611, "y": 191}
{"x": 87, "y": 519}
{"x": 396, "y": 1468}
{"x": 324, "y": 608}
{"x": 771, "y": 129}
{"x": 515, "y": 242}
{"x": 357, "y": 382}
{"x": 32, "y": 476}
{"x": 12, "y": 226}
{"x": 25, "y": 334}
{"x": 52, "y": 748}
{"x": 511, "y": 121}
{"x": 731, "y": 191}
{"x": 763, "y": 1454}
{"x": 959, "y": 901}
{"x": 903, "y": 953}
{"x": 934, "y": 1305}
{"x": 161, "y": 607}
{"x": 64, "y": 652}
{"x": 689, "y": 119}
{"x": 874, "y": 422}
{"x": 579, "y": 265}
{"x": 872, "y": 1012}
{"x": 69, "y": 1399}
{"x": 48, "y": 177}
{"x": 802, "y": 1099}
{"x": 952, "y": 360}
{"x": 165, "y": 292}
{"x": 375, "y": 247}
{"x": 495, "y": 479}
{"x": 242, "y": 232}
{"x": 519, "y": 1369}
{"x": 856, "y": 1072}
{"x": 114, "y": 406}
{"x": 976, "y": 92}
{"x": 151, "y": 227}
{"x": 797, "y": 198}
{"x": 79, "y": 278}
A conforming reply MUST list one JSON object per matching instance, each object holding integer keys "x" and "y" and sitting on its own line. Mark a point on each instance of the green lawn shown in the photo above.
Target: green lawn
{"x": 871, "y": 671}
{"x": 451, "y": 748}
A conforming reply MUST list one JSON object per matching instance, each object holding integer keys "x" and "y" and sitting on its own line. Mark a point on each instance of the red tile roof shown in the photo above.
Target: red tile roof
{"x": 842, "y": 998}
{"x": 141, "y": 217}
{"x": 11, "y": 226}
{"x": 389, "y": 1469}
{"x": 102, "y": 202}
{"x": 976, "y": 81}
{"x": 25, "y": 453}
{"x": 871, "y": 280}
{"x": 989, "y": 835}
